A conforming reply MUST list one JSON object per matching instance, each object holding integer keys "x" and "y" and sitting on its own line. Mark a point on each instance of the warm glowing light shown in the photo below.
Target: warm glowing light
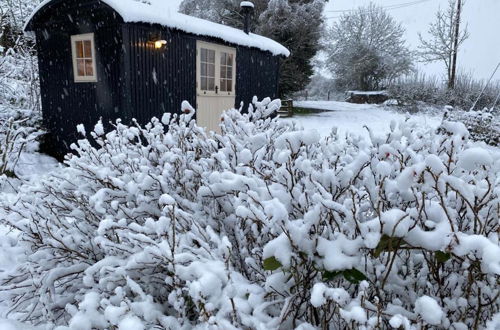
{"x": 160, "y": 43}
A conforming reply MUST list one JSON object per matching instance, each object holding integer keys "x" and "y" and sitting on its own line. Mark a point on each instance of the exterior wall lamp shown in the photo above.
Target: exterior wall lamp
{"x": 160, "y": 43}
{"x": 156, "y": 40}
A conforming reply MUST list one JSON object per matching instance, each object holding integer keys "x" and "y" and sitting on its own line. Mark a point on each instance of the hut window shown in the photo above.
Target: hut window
{"x": 83, "y": 52}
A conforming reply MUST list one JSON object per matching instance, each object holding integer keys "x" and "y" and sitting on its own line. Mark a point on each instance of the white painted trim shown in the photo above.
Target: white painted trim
{"x": 218, "y": 49}
{"x": 83, "y": 37}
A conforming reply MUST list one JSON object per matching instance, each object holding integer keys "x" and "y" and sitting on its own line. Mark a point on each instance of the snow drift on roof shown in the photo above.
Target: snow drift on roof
{"x": 161, "y": 12}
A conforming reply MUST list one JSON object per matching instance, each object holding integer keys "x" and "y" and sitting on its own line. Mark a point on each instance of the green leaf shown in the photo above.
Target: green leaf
{"x": 10, "y": 174}
{"x": 388, "y": 243}
{"x": 383, "y": 245}
{"x": 354, "y": 276}
{"x": 271, "y": 264}
{"x": 328, "y": 276}
{"x": 442, "y": 257}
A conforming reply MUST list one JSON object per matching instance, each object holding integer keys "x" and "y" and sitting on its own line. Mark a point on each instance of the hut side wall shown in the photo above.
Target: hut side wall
{"x": 158, "y": 79}
{"x": 257, "y": 75}
{"x": 66, "y": 103}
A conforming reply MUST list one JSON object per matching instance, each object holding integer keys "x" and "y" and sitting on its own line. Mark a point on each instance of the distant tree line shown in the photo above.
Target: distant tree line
{"x": 365, "y": 49}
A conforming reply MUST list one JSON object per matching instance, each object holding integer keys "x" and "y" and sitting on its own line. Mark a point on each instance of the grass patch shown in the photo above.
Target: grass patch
{"x": 298, "y": 111}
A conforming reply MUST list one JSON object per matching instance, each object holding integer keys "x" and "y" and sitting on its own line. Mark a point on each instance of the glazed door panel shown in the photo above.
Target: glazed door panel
{"x": 215, "y": 83}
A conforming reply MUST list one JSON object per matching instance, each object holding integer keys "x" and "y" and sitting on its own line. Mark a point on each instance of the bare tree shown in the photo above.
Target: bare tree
{"x": 445, "y": 39}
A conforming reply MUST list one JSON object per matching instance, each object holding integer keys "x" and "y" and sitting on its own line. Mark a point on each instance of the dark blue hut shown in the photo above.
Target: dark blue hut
{"x": 138, "y": 59}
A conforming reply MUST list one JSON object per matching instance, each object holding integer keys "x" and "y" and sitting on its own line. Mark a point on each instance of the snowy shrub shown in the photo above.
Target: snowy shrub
{"x": 14, "y": 138}
{"x": 417, "y": 88}
{"x": 19, "y": 82}
{"x": 264, "y": 226}
{"x": 20, "y": 115}
{"x": 482, "y": 125}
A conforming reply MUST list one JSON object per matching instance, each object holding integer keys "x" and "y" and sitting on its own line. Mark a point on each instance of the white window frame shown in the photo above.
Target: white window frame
{"x": 83, "y": 37}
{"x": 218, "y": 50}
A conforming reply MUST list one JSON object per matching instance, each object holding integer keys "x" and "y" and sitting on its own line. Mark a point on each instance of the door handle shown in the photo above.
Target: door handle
{"x": 216, "y": 89}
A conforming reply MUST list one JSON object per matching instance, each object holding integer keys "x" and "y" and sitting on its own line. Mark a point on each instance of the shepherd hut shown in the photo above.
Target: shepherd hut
{"x": 138, "y": 59}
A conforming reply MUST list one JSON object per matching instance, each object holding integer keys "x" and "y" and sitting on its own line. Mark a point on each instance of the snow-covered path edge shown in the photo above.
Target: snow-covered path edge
{"x": 350, "y": 118}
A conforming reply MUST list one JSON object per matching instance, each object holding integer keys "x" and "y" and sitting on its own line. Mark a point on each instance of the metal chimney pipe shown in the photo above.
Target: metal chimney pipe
{"x": 246, "y": 9}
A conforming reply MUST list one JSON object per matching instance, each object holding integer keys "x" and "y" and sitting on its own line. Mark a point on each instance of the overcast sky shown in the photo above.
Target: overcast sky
{"x": 480, "y": 54}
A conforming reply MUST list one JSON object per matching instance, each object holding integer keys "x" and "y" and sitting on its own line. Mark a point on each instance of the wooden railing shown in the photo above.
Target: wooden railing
{"x": 286, "y": 108}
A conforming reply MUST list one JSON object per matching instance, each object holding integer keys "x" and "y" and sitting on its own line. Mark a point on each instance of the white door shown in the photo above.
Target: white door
{"x": 215, "y": 83}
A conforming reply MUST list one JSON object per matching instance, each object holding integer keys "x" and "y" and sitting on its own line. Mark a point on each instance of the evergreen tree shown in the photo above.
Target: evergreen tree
{"x": 297, "y": 24}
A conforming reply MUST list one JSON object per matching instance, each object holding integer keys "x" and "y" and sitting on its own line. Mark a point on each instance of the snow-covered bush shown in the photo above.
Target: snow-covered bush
{"x": 264, "y": 226}
{"x": 482, "y": 125}
{"x": 19, "y": 81}
{"x": 418, "y": 88}
{"x": 20, "y": 115}
{"x": 15, "y": 137}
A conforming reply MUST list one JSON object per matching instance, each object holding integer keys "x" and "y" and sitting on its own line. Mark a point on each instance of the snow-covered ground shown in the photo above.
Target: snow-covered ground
{"x": 352, "y": 118}
{"x": 32, "y": 165}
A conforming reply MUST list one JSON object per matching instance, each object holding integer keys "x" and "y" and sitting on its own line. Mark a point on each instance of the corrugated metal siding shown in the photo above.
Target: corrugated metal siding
{"x": 257, "y": 75}
{"x": 160, "y": 79}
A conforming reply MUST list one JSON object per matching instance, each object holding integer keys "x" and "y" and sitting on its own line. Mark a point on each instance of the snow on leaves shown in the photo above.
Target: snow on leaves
{"x": 262, "y": 226}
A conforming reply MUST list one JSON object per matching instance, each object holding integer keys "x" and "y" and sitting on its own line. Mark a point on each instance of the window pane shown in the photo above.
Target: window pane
{"x": 230, "y": 59}
{"x": 204, "y": 56}
{"x": 89, "y": 70}
{"x": 87, "y": 49}
{"x": 80, "y": 66}
{"x": 204, "y": 84}
{"x": 211, "y": 56}
{"x": 203, "y": 70}
{"x": 229, "y": 72}
{"x": 222, "y": 85}
{"x": 223, "y": 58}
{"x": 222, "y": 72}
{"x": 79, "y": 49}
{"x": 211, "y": 70}
{"x": 211, "y": 84}
{"x": 229, "y": 85}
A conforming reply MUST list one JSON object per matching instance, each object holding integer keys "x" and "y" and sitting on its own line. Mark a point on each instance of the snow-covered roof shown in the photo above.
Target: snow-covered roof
{"x": 161, "y": 12}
